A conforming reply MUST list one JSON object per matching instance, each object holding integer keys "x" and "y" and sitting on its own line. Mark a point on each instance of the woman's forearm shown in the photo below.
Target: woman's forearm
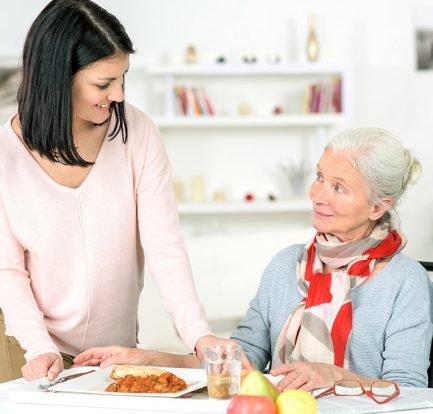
{"x": 165, "y": 359}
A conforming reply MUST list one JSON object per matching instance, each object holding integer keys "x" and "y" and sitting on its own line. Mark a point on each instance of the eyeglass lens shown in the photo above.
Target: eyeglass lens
{"x": 383, "y": 389}
{"x": 348, "y": 388}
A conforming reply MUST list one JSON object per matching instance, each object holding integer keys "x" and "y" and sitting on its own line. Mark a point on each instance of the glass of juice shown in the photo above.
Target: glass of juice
{"x": 223, "y": 368}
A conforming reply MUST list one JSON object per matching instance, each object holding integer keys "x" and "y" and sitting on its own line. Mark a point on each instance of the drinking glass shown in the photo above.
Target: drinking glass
{"x": 223, "y": 368}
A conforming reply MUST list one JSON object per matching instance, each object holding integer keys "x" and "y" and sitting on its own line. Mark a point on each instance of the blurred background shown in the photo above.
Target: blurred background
{"x": 246, "y": 94}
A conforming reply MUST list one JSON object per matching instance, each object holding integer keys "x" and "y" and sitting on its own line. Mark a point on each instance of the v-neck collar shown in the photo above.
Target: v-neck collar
{"x": 44, "y": 174}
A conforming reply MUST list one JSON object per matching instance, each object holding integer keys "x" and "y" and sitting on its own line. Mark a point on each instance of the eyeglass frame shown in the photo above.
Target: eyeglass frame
{"x": 368, "y": 393}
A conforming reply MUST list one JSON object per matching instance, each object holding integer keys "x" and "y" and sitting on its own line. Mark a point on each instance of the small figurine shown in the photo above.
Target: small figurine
{"x": 249, "y": 197}
{"x": 219, "y": 196}
{"x": 273, "y": 59}
{"x": 249, "y": 59}
{"x": 191, "y": 55}
{"x": 277, "y": 110}
{"x": 244, "y": 109}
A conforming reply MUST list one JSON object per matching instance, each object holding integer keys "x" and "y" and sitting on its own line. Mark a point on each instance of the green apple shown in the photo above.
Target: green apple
{"x": 296, "y": 402}
{"x": 255, "y": 383}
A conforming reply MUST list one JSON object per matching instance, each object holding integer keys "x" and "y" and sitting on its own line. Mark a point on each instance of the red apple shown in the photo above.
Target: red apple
{"x": 251, "y": 404}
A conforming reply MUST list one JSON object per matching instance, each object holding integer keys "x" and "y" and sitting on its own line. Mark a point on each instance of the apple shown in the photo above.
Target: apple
{"x": 251, "y": 404}
{"x": 296, "y": 402}
{"x": 255, "y": 383}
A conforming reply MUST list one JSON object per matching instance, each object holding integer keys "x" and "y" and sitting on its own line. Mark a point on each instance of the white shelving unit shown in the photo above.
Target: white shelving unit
{"x": 8, "y": 66}
{"x": 248, "y": 69}
{"x": 171, "y": 74}
{"x": 9, "y": 62}
{"x": 231, "y": 242}
{"x": 301, "y": 120}
{"x": 292, "y": 206}
{"x": 234, "y": 129}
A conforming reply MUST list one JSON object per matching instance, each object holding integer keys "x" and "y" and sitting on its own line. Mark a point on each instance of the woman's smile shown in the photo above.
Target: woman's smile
{"x": 321, "y": 214}
{"x": 103, "y": 108}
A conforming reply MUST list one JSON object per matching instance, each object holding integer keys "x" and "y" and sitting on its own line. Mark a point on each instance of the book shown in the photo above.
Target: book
{"x": 182, "y": 103}
{"x": 207, "y": 101}
{"x": 200, "y": 101}
{"x": 336, "y": 96}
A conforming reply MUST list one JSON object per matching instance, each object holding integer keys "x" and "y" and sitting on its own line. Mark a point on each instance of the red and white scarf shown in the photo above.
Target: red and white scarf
{"x": 319, "y": 328}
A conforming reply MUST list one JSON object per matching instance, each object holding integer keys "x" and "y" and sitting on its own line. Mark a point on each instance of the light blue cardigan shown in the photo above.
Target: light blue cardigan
{"x": 391, "y": 327}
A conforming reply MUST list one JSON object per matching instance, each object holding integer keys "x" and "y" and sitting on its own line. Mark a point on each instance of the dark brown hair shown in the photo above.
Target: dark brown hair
{"x": 67, "y": 36}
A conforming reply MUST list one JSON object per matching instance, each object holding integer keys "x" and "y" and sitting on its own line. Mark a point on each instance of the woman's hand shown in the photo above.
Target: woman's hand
{"x": 105, "y": 356}
{"x": 46, "y": 365}
{"x": 309, "y": 375}
{"x": 209, "y": 340}
{"x": 119, "y": 355}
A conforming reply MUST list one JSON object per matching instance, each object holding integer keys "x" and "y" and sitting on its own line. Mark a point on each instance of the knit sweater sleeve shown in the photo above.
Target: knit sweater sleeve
{"x": 255, "y": 330}
{"x": 162, "y": 242}
{"x": 252, "y": 333}
{"x": 23, "y": 318}
{"x": 409, "y": 329}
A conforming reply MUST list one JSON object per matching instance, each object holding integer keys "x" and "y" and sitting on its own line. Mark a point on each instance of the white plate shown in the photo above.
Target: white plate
{"x": 29, "y": 393}
{"x": 96, "y": 382}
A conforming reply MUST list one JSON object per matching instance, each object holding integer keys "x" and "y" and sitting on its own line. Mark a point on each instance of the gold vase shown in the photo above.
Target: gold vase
{"x": 312, "y": 41}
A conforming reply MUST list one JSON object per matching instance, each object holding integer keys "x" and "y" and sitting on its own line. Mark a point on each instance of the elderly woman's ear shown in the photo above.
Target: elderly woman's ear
{"x": 378, "y": 210}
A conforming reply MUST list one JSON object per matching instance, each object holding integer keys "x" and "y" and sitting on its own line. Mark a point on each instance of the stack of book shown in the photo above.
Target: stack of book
{"x": 192, "y": 101}
{"x": 323, "y": 97}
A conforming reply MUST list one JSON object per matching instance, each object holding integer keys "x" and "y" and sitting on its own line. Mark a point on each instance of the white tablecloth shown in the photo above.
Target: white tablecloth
{"x": 410, "y": 401}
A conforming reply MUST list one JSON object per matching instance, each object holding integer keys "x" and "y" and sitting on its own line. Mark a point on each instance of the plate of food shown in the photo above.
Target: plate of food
{"x": 134, "y": 380}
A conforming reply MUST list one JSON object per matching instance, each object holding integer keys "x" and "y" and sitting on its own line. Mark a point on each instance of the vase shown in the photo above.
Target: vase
{"x": 312, "y": 41}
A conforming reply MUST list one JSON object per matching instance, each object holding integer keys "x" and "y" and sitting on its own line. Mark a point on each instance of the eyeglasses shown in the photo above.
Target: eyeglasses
{"x": 380, "y": 392}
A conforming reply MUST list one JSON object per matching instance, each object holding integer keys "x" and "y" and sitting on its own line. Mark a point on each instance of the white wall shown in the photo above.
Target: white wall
{"x": 375, "y": 36}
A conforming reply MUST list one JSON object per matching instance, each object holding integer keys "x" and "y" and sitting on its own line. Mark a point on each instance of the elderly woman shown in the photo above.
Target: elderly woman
{"x": 348, "y": 304}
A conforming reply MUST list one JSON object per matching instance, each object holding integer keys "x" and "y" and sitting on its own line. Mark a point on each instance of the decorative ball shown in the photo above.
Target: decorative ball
{"x": 277, "y": 110}
{"x": 249, "y": 197}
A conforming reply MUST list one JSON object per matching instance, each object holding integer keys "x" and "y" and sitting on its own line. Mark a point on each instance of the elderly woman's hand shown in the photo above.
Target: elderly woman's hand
{"x": 309, "y": 375}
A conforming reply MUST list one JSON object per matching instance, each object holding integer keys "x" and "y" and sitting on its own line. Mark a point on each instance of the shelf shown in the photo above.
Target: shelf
{"x": 301, "y": 69}
{"x": 9, "y": 62}
{"x": 301, "y": 205}
{"x": 173, "y": 74}
{"x": 248, "y": 121}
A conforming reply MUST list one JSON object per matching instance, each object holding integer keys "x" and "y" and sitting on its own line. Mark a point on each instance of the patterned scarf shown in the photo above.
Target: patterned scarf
{"x": 319, "y": 328}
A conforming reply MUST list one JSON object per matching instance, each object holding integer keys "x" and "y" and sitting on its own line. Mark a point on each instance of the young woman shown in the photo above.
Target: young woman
{"x": 348, "y": 305}
{"x": 85, "y": 198}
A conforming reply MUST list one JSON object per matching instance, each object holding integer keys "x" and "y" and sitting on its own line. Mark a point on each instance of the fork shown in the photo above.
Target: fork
{"x": 63, "y": 379}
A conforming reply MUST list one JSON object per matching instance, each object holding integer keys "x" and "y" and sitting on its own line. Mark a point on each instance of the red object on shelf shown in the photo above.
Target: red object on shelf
{"x": 249, "y": 197}
{"x": 277, "y": 110}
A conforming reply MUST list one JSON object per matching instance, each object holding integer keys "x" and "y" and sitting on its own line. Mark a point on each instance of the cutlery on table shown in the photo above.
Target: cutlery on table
{"x": 63, "y": 379}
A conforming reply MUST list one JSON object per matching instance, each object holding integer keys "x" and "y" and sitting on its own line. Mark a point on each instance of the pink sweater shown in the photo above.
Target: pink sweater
{"x": 71, "y": 261}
